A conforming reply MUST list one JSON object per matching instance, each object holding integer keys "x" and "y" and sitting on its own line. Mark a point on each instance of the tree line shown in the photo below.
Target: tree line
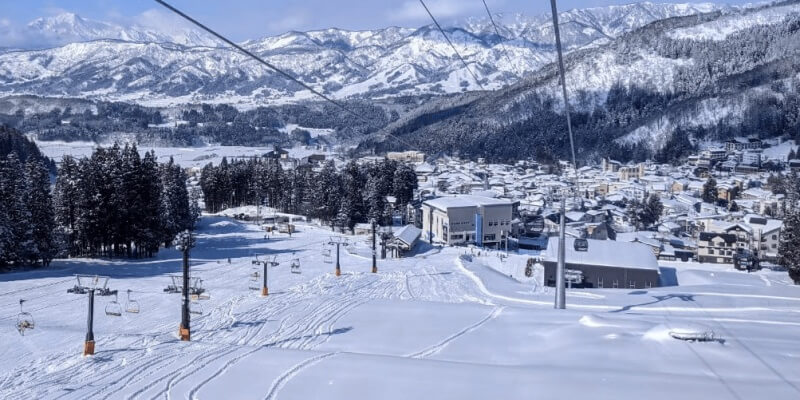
{"x": 118, "y": 203}
{"x": 338, "y": 197}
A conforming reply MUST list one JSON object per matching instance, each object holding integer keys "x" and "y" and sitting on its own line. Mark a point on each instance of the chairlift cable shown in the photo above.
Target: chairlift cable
{"x": 276, "y": 69}
{"x": 563, "y": 81}
{"x": 497, "y": 31}
{"x": 450, "y": 43}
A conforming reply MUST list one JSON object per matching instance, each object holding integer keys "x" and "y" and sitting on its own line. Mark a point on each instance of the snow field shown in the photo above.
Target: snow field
{"x": 435, "y": 325}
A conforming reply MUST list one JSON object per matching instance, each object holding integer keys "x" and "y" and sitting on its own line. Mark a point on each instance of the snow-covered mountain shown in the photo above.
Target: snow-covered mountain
{"x": 132, "y": 63}
{"x": 709, "y": 77}
{"x": 71, "y": 28}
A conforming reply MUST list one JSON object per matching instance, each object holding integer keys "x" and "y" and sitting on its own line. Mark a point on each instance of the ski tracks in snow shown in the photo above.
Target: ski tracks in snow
{"x": 441, "y": 345}
{"x": 281, "y": 381}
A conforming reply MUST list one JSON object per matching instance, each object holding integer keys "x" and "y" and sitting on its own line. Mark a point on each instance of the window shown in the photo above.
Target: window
{"x": 648, "y": 284}
{"x": 774, "y": 246}
{"x": 488, "y": 237}
{"x": 599, "y": 282}
{"x": 774, "y": 237}
{"x": 632, "y": 284}
{"x": 710, "y": 251}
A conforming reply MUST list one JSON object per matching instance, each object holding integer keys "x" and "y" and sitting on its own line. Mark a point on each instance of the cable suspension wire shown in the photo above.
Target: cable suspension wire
{"x": 451, "y": 44}
{"x": 278, "y": 70}
{"x": 497, "y": 31}
{"x": 563, "y": 81}
{"x": 259, "y": 59}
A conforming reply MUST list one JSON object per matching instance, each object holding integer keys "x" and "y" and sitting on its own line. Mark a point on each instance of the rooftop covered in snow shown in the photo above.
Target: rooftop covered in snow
{"x": 608, "y": 253}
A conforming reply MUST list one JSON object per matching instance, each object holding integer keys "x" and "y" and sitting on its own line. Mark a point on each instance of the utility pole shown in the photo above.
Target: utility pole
{"x": 374, "y": 256}
{"x": 265, "y": 263}
{"x": 561, "y": 296}
{"x": 185, "y": 242}
{"x": 88, "y": 344}
{"x": 338, "y": 241}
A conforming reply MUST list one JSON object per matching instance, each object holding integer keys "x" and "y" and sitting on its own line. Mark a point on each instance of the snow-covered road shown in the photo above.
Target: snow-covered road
{"x": 435, "y": 325}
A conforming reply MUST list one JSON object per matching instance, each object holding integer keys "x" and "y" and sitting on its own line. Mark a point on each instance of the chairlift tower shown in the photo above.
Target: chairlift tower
{"x": 561, "y": 295}
{"x": 91, "y": 285}
{"x": 560, "y": 301}
{"x": 374, "y": 259}
{"x": 338, "y": 241}
{"x": 265, "y": 263}
{"x": 185, "y": 242}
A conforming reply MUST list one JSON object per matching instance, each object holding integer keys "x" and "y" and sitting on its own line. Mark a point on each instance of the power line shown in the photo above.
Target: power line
{"x": 451, "y": 45}
{"x": 285, "y": 74}
{"x": 497, "y": 31}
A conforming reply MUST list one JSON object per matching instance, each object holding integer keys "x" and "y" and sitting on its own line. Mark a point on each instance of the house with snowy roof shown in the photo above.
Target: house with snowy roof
{"x": 602, "y": 264}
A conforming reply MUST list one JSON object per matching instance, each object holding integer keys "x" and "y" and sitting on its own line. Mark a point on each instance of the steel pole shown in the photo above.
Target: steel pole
{"x": 185, "y": 332}
{"x": 561, "y": 296}
{"x": 88, "y": 345}
{"x": 374, "y": 256}
{"x": 338, "y": 269}
{"x": 264, "y": 289}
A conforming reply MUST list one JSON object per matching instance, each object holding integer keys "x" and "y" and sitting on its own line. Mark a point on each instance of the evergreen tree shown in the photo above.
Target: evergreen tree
{"x": 405, "y": 182}
{"x": 710, "y": 191}
{"x": 651, "y": 212}
{"x": 789, "y": 246}
{"x": 149, "y": 227}
{"x": 634, "y": 211}
{"x": 17, "y": 243}
{"x": 40, "y": 206}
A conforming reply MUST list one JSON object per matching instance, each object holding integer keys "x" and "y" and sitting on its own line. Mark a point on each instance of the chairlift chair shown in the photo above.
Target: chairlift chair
{"x": 326, "y": 256}
{"x": 24, "y": 319}
{"x": 199, "y": 292}
{"x": 296, "y": 266}
{"x": 195, "y": 308}
{"x": 131, "y": 305}
{"x": 113, "y": 309}
{"x": 175, "y": 286}
{"x": 255, "y": 280}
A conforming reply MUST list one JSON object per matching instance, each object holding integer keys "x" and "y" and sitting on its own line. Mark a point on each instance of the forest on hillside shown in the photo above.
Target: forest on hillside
{"x": 114, "y": 203}
{"x": 754, "y": 70}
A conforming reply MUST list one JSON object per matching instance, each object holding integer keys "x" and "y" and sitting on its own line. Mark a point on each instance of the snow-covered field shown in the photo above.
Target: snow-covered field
{"x": 184, "y": 156}
{"x": 435, "y": 325}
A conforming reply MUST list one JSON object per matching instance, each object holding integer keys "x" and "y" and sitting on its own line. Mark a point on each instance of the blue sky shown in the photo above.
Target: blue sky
{"x": 247, "y": 19}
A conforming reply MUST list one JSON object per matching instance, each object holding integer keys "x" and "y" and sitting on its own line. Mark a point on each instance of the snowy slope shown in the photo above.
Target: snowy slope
{"x": 435, "y": 325}
{"x": 133, "y": 63}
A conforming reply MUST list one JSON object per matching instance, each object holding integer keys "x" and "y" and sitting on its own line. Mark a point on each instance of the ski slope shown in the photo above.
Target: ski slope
{"x": 433, "y": 325}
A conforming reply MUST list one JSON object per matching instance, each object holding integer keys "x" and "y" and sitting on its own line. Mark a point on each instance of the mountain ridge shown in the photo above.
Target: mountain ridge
{"x": 341, "y": 63}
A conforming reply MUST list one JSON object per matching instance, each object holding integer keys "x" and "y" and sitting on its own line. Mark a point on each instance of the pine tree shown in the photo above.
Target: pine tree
{"x": 149, "y": 227}
{"x": 375, "y": 202}
{"x": 789, "y": 246}
{"x": 325, "y": 200}
{"x": 651, "y": 212}
{"x": 710, "y": 190}
{"x": 40, "y": 206}
{"x": 634, "y": 211}
{"x": 405, "y": 182}
{"x": 16, "y": 244}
